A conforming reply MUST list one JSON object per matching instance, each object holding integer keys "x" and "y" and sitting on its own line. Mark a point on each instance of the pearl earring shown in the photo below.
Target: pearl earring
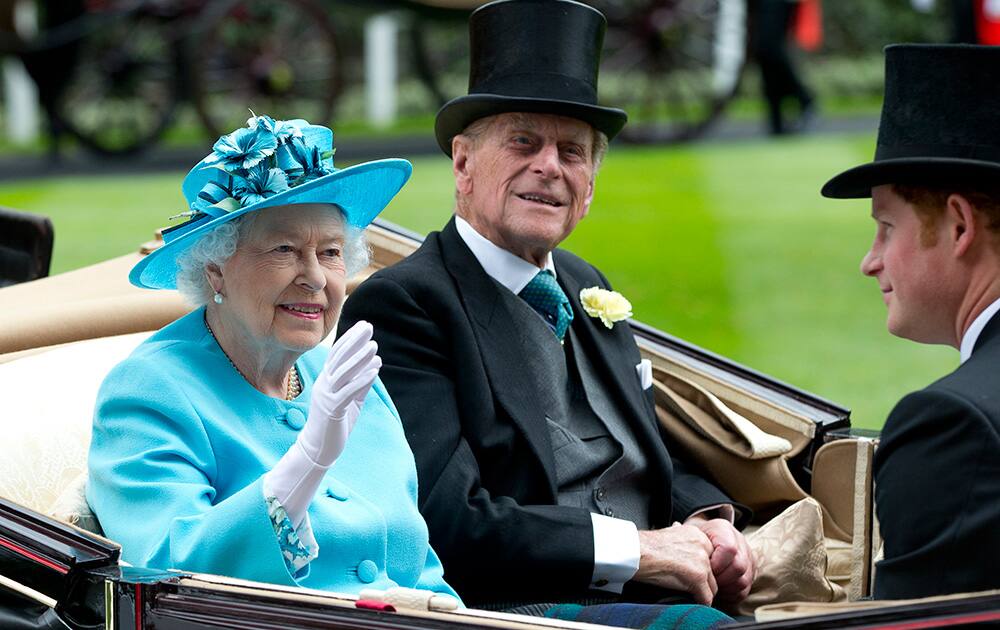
{"x": 217, "y": 298}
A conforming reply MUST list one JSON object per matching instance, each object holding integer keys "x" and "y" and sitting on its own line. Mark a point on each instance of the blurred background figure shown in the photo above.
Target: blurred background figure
{"x": 976, "y": 21}
{"x": 972, "y": 21}
{"x": 772, "y": 22}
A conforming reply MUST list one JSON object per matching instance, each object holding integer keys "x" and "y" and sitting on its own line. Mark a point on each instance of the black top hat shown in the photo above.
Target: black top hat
{"x": 538, "y": 56}
{"x": 940, "y": 120}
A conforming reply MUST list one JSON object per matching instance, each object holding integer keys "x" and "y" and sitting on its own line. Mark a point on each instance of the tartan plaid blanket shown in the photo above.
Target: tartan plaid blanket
{"x": 647, "y": 616}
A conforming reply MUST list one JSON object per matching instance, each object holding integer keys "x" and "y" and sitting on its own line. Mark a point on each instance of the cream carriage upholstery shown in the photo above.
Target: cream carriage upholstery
{"x": 47, "y": 409}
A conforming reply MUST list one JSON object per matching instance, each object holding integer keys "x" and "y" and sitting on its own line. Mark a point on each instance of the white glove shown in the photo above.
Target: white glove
{"x": 337, "y": 397}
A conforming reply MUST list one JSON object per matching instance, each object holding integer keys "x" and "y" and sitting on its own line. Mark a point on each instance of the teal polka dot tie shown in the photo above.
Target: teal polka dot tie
{"x": 545, "y": 295}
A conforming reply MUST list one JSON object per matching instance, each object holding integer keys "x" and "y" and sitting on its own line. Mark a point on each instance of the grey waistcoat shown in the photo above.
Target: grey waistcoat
{"x": 599, "y": 464}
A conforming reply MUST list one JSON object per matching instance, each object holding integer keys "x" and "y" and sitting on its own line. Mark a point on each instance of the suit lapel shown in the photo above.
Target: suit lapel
{"x": 501, "y": 345}
{"x": 610, "y": 353}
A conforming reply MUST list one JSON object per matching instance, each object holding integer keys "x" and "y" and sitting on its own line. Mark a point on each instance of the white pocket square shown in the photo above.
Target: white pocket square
{"x": 645, "y": 371}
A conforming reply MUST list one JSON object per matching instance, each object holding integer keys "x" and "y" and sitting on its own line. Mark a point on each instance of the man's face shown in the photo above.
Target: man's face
{"x": 914, "y": 278}
{"x": 526, "y": 181}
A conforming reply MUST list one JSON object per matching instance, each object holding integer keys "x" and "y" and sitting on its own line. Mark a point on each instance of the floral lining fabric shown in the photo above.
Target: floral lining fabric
{"x": 298, "y": 548}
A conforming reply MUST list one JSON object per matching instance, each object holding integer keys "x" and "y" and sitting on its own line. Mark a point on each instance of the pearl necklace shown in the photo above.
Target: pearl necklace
{"x": 294, "y": 385}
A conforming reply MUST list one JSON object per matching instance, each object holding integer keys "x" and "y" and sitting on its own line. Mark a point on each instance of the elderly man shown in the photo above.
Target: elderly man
{"x": 543, "y": 474}
{"x": 935, "y": 190}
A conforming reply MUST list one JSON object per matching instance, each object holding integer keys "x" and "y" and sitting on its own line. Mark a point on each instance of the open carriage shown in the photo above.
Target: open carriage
{"x": 788, "y": 454}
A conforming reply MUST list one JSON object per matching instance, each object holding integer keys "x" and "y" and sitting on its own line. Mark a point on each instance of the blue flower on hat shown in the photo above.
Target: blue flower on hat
{"x": 243, "y": 149}
{"x": 282, "y": 130}
{"x": 259, "y": 183}
{"x": 261, "y": 160}
{"x": 312, "y": 162}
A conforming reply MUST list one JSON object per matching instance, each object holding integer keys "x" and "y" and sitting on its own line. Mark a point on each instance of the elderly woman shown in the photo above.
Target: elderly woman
{"x": 231, "y": 442}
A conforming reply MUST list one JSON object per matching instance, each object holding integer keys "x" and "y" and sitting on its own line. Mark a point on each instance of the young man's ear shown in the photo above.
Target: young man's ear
{"x": 962, "y": 222}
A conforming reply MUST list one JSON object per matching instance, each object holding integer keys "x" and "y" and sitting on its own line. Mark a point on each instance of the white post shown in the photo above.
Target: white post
{"x": 20, "y": 92}
{"x": 380, "y": 69}
{"x": 730, "y": 46}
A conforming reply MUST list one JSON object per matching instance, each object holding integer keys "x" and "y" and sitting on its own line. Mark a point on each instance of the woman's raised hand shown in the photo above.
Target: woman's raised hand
{"x": 338, "y": 394}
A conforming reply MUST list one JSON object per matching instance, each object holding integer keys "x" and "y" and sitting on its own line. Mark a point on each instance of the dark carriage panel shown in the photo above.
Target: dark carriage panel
{"x": 59, "y": 563}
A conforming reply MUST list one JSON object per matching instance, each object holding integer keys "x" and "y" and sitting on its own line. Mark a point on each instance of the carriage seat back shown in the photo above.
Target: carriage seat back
{"x": 46, "y": 410}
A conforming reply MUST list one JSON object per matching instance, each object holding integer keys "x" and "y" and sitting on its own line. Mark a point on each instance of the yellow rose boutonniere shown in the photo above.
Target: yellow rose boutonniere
{"x": 610, "y": 306}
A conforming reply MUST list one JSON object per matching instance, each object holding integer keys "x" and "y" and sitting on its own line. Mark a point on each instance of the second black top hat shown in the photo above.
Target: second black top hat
{"x": 940, "y": 120}
{"x": 538, "y": 56}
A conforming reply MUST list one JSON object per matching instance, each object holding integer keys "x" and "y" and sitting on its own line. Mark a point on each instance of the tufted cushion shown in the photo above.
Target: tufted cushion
{"x": 792, "y": 560}
{"x": 46, "y": 411}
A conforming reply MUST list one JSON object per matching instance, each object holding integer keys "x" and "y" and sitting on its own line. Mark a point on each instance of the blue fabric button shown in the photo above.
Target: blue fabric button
{"x": 367, "y": 571}
{"x": 335, "y": 491}
{"x": 295, "y": 419}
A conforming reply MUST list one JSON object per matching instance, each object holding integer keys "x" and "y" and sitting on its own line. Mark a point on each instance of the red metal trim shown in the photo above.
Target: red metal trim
{"x": 138, "y": 607}
{"x": 944, "y": 621}
{"x": 61, "y": 568}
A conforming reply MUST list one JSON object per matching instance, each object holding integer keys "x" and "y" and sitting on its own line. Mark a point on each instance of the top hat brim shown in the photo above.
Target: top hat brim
{"x": 459, "y": 113}
{"x": 857, "y": 182}
{"x": 361, "y": 192}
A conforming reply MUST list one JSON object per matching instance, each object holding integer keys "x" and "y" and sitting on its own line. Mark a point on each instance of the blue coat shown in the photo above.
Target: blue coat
{"x": 181, "y": 442}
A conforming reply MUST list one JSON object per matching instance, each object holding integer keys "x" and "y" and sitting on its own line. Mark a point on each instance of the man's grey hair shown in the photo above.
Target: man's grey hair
{"x": 220, "y": 243}
{"x": 479, "y": 127}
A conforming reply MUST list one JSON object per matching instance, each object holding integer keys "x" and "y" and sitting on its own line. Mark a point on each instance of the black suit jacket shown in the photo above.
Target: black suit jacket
{"x": 451, "y": 356}
{"x": 937, "y": 482}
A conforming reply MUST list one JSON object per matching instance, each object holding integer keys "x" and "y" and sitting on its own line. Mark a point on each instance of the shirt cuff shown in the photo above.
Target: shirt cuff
{"x": 298, "y": 546}
{"x": 723, "y": 510}
{"x": 616, "y": 552}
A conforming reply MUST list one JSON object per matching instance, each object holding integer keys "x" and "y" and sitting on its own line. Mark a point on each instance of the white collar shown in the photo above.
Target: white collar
{"x": 972, "y": 333}
{"x": 509, "y": 270}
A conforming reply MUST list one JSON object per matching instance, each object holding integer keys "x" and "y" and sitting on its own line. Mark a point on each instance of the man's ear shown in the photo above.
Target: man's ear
{"x": 962, "y": 223}
{"x": 589, "y": 198}
{"x": 461, "y": 163}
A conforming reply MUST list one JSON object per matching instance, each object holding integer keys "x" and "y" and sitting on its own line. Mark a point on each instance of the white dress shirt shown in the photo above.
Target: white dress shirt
{"x": 972, "y": 334}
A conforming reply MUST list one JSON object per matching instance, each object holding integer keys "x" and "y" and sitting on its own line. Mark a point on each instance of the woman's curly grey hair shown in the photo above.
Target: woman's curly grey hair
{"x": 218, "y": 245}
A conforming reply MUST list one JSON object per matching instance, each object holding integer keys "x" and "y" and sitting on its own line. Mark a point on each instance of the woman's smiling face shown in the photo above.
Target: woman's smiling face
{"x": 285, "y": 283}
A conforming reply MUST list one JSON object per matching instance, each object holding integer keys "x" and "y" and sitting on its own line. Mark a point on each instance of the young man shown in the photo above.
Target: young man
{"x": 935, "y": 190}
{"x": 543, "y": 473}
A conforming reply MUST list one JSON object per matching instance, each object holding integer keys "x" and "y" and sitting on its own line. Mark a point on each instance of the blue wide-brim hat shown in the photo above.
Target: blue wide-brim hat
{"x": 269, "y": 163}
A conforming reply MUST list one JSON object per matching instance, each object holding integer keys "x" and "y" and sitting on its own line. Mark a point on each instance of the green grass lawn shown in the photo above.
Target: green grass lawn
{"x": 729, "y": 246}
